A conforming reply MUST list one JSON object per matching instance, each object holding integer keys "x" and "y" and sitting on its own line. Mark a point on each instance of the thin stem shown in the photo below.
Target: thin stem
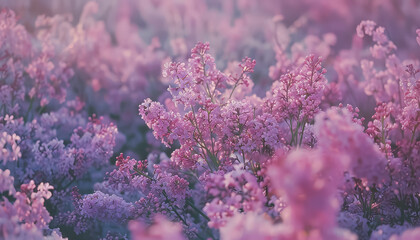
{"x": 29, "y": 109}
{"x": 198, "y": 210}
{"x": 297, "y": 133}
{"x": 301, "y": 134}
{"x": 414, "y": 133}
{"x": 291, "y": 130}
{"x": 4, "y": 109}
{"x": 202, "y": 144}
{"x": 236, "y": 84}
{"x": 144, "y": 175}
{"x": 174, "y": 209}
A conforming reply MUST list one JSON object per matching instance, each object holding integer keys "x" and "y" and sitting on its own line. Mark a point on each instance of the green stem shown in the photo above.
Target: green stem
{"x": 414, "y": 134}
{"x": 198, "y": 210}
{"x": 291, "y": 130}
{"x": 142, "y": 174}
{"x": 29, "y": 109}
{"x": 297, "y": 133}
{"x": 236, "y": 84}
{"x": 174, "y": 209}
{"x": 301, "y": 134}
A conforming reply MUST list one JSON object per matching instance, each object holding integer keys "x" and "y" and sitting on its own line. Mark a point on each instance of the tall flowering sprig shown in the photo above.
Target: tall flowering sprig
{"x": 199, "y": 78}
{"x": 291, "y": 53}
{"x": 236, "y": 128}
{"x": 245, "y": 68}
{"x": 410, "y": 116}
{"x": 383, "y": 46}
{"x": 383, "y": 81}
{"x": 202, "y": 97}
{"x": 296, "y": 97}
{"x": 396, "y": 86}
{"x": 405, "y": 167}
{"x": 381, "y": 126}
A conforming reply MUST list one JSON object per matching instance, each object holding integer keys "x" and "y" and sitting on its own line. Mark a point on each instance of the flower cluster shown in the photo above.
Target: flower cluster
{"x": 26, "y": 217}
{"x": 234, "y": 191}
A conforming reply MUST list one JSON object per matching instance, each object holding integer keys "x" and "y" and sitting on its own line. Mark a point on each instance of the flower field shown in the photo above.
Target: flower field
{"x": 210, "y": 119}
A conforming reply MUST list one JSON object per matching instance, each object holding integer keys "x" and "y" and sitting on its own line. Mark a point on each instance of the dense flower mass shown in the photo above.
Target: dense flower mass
{"x": 199, "y": 119}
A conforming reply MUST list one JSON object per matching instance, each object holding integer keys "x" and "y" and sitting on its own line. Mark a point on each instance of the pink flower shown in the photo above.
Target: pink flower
{"x": 339, "y": 136}
{"x": 9, "y": 147}
{"x": 161, "y": 229}
{"x": 418, "y": 36}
